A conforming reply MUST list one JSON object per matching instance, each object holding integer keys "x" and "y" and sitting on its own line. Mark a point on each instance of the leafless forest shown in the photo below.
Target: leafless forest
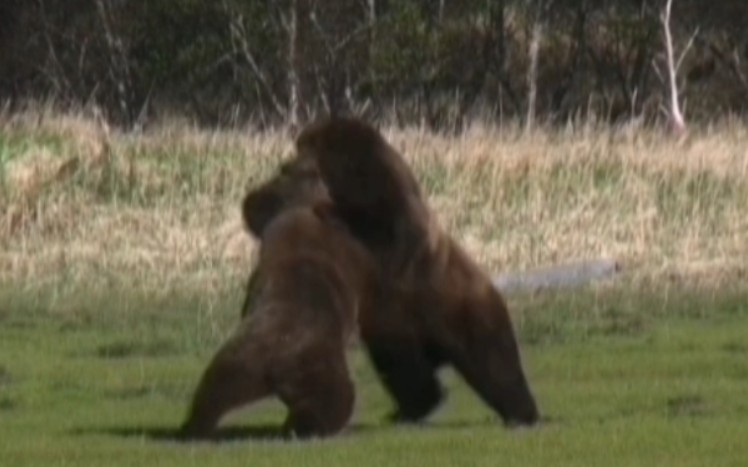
{"x": 432, "y": 62}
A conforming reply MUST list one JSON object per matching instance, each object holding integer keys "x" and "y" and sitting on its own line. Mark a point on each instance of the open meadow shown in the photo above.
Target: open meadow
{"x": 123, "y": 263}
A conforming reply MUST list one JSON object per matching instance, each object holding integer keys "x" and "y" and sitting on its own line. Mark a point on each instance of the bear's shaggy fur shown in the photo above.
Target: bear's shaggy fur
{"x": 310, "y": 281}
{"x": 435, "y": 304}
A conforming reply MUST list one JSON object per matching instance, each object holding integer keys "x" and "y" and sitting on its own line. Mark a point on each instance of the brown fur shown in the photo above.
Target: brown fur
{"x": 311, "y": 279}
{"x": 436, "y": 305}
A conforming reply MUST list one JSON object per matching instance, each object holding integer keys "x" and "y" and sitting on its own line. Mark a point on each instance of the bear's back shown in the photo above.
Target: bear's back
{"x": 312, "y": 267}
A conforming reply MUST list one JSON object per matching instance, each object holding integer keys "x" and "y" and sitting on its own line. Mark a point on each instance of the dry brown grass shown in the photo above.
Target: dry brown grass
{"x": 85, "y": 205}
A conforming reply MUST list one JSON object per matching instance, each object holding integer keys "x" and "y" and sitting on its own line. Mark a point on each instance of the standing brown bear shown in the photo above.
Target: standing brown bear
{"x": 435, "y": 305}
{"x": 310, "y": 281}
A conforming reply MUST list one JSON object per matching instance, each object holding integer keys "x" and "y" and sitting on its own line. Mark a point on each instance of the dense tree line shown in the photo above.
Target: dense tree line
{"x": 435, "y": 61}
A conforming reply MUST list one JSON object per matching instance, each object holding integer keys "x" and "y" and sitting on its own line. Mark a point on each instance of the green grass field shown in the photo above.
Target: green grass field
{"x": 122, "y": 263}
{"x": 622, "y": 378}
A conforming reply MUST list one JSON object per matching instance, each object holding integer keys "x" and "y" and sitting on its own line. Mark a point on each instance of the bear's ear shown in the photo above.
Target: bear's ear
{"x": 258, "y": 209}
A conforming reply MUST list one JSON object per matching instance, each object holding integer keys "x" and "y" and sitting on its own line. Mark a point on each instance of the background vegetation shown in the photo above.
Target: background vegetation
{"x": 162, "y": 207}
{"x": 432, "y": 61}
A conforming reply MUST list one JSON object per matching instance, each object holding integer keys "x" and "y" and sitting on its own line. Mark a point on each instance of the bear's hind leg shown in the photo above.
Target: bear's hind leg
{"x": 320, "y": 398}
{"x": 233, "y": 378}
{"x": 410, "y": 378}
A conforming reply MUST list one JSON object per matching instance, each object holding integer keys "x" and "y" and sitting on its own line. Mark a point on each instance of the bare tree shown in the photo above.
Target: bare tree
{"x": 243, "y": 48}
{"x": 532, "y": 73}
{"x": 539, "y": 12}
{"x": 119, "y": 63}
{"x": 55, "y": 72}
{"x": 372, "y": 10}
{"x": 292, "y": 26}
{"x": 675, "y": 115}
{"x": 338, "y": 36}
{"x": 499, "y": 61}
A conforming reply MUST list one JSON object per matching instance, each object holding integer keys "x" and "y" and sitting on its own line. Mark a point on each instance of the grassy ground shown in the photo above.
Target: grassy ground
{"x": 621, "y": 380}
{"x": 122, "y": 260}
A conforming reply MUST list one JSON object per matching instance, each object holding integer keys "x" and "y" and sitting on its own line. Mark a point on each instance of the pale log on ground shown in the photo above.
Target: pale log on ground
{"x": 558, "y": 276}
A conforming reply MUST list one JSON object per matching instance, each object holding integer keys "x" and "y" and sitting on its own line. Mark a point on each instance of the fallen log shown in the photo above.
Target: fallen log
{"x": 557, "y": 276}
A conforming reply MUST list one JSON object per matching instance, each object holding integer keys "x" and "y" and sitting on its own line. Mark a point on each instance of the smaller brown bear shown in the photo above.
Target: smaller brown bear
{"x": 310, "y": 280}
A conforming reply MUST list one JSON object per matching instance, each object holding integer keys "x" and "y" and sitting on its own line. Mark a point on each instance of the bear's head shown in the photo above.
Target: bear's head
{"x": 297, "y": 183}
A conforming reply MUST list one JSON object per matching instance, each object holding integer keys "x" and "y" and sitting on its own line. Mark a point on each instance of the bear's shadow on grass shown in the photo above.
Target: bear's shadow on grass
{"x": 224, "y": 434}
{"x": 267, "y": 432}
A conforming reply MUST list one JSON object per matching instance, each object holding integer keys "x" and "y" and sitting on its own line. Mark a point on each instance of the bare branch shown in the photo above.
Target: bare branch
{"x": 334, "y": 48}
{"x": 686, "y": 49}
{"x": 532, "y": 73}
{"x": 678, "y": 124}
{"x": 239, "y": 37}
{"x": 730, "y": 60}
{"x": 736, "y": 67}
{"x": 372, "y": 10}
{"x": 321, "y": 84}
{"x": 119, "y": 69}
{"x": 657, "y": 71}
{"x": 340, "y": 45}
{"x": 58, "y": 74}
{"x": 293, "y": 77}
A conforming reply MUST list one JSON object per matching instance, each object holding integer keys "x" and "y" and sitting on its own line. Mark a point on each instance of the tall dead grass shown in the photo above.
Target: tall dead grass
{"x": 82, "y": 204}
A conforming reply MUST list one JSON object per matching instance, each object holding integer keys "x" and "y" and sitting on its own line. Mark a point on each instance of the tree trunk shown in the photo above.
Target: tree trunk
{"x": 293, "y": 76}
{"x": 532, "y": 73}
